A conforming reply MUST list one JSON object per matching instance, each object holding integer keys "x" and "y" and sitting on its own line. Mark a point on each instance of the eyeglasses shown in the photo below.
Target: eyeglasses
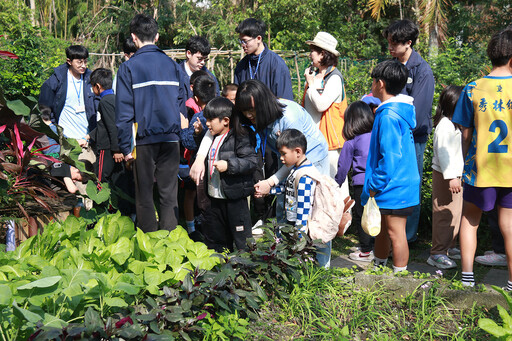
{"x": 80, "y": 61}
{"x": 245, "y": 42}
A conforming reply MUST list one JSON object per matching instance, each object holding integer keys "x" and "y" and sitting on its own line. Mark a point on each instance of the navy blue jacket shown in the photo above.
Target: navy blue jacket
{"x": 188, "y": 139}
{"x": 54, "y": 90}
{"x": 272, "y": 71}
{"x": 420, "y": 86}
{"x": 149, "y": 92}
{"x": 186, "y": 79}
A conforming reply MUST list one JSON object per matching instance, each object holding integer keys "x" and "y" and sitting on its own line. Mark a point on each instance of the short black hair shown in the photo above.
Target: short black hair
{"x": 77, "y": 52}
{"x": 227, "y": 88}
{"x": 328, "y": 59}
{"x": 358, "y": 120}
{"x": 291, "y": 139}
{"x": 252, "y": 28}
{"x": 88, "y": 167}
{"x": 499, "y": 48}
{"x": 197, "y": 74}
{"x": 129, "y": 46}
{"x": 401, "y": 31}
{"x": 204, "y": 88}
{"x": 253, "y": 94}
{"x": 46, "y": 112}
{"x": 394, "y": 75}
{"x": 221, "y": 107}
{"x": 198, "y": 44}
{"x": 144, "y": 27}
{"x": 102, "y": 77}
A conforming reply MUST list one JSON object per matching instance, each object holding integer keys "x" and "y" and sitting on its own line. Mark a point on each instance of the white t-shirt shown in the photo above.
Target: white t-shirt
{"x": 73, "y": 118}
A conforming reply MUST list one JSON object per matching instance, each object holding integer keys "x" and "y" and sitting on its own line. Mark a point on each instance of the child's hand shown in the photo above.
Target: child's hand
{"x": 118, "y": 157}
{"x": 184, "y": 121}
{"x": 82, "y": 143}
{"x": 198, "y": 127}
{"x": 221, "y": 165}
{"x": 455, "y": 185}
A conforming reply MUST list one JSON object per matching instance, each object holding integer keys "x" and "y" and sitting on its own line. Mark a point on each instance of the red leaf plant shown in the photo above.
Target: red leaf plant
{"x": 15, "y": 164}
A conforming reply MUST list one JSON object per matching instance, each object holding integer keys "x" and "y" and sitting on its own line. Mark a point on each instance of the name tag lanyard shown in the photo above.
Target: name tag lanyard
{"x": 79, "y": 90}
{"x": 257, "y": 66}
{"x": 213, "y": 152}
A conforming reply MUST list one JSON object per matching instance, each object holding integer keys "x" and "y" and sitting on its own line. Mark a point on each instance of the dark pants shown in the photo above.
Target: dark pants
{"x": 227, "y": 221}
{"x": 116, "y": 174}
{"x": 365, "y": 240}
{"x": 263, "y": 207}
{"x": 157, "y": 162}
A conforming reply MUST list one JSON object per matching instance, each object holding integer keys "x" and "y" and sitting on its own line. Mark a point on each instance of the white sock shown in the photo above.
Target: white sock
{"x": 190, "y": 226}
{"x": 397, "y": 269}
{"x": 468, "y": 279}
{"x": 379, "y": 262}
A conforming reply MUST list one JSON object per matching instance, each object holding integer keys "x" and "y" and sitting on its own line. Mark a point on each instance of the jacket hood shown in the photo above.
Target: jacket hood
{"x": 402, "y": 105}
{"x": 254, "y": 57}
{"x": 61, "y": 71}
{"x": 414, "y": 60}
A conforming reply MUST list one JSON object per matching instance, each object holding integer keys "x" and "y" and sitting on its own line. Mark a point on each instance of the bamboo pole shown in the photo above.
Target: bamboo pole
{"x": 297, "y": 69}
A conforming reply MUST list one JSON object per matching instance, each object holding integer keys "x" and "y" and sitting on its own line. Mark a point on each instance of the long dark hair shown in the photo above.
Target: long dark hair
{"x": 221, "y": 107}
{"x": 447, "y": 102}
{"x": 358, "y": 120}
{"x": 253, "y": 94}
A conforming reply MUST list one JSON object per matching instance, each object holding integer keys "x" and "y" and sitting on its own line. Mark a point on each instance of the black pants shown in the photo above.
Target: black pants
{"x": 227, "y": 221}
{"x": 365, "y": 240}
{"x": 116, "y": 174}
{"x": 263, "y": 208}
{"x": 157, "y": 162}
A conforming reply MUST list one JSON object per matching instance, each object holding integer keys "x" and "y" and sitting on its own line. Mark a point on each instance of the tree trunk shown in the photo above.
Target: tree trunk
{"x": 33, "y": 12}
{"x": 433, "y": 42}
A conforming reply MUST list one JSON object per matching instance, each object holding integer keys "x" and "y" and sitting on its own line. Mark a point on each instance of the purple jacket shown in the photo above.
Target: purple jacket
{"x": 354, "y": 154}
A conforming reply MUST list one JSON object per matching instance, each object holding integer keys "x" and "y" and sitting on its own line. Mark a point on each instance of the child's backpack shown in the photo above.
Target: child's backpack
{"x": 328, "y": 205}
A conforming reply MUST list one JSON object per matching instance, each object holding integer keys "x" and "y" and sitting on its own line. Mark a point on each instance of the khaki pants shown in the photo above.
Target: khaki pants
{"x": 446, "y": 215}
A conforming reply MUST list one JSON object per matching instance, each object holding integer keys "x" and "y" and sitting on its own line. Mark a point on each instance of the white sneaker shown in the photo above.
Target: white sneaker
{"x": 361, "y": 256}
{"x": 454, "y": 253}
{"x": 492, "y": 259}
{"x": 256, "y": 229}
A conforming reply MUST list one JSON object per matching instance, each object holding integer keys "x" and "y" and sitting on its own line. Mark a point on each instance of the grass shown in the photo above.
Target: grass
{"x": 327, "y": 306}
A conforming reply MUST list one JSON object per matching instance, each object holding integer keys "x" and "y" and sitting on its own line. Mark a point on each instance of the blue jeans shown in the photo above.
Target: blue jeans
{"x": 411, "y": 229}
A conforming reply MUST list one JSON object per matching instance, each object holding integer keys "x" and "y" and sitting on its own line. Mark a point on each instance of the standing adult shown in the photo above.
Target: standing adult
{"x": 196, "y": 53}
{"x": 129, "y": 49}
{"x": 260, "y": 63}
{"x": 324, "y": 94}
{"x": 402, "y": 36}
{"x": 68, "y": 93}
{"x": 150, "y": 93}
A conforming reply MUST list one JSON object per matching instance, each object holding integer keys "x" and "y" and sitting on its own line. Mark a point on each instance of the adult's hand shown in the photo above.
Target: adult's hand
{"x": 310, "y": 77}
{"x": 262, "y": 188}
{"x": 128, "y": 157}
{"x": 197, "y": 169}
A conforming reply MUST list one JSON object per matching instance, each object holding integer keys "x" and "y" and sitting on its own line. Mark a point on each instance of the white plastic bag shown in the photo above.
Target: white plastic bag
{"x": 370, "y": 221}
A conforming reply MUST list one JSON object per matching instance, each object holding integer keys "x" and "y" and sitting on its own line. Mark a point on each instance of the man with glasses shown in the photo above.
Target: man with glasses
{"x": 69, "y": 94}
{"x": 196, "y": 52}
{"x": 260, "y": 63}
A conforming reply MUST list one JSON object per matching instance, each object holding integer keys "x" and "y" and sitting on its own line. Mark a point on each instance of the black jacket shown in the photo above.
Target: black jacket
{"x": 104, "y": 135}
{"x": 239, "y": 151}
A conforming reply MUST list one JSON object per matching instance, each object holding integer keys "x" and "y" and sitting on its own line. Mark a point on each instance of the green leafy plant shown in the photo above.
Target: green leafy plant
{"x": 503, "y": 331}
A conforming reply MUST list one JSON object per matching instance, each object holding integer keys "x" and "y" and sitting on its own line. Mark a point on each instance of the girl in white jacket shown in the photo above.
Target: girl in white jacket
{"x": 447, "y": 164}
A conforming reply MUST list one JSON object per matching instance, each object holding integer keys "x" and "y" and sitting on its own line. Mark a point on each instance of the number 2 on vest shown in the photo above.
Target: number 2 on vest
{"x": 495, "y": 146}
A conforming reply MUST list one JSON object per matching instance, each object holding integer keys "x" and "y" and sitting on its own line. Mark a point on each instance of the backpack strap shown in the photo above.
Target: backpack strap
{"x": 312, "y": 172}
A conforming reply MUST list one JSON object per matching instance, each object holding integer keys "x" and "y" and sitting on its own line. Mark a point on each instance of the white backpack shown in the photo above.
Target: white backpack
{"x": 328, "y": 205}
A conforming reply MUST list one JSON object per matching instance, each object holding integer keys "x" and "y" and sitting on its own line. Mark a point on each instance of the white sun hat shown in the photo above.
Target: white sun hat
{"x": 325, "y": 41}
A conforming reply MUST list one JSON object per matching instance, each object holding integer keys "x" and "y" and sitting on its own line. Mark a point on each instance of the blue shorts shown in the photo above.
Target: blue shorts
{"x": 485, "y": 198}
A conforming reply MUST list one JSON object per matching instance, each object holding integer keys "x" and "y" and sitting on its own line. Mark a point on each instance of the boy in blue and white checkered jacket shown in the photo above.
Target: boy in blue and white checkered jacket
{"x": 292, "y": 146}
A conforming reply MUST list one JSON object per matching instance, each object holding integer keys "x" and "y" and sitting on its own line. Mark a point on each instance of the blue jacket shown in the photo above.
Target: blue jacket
{"x": 54, "y": 90}
{"x": 149, "y": 92}
{"x": 391, "y": 169}
{"x": 188, "y": 139}
{"x": 272, "y": 71}
{"x": 186, "y": 80}
{"x": 420, "y": 86}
